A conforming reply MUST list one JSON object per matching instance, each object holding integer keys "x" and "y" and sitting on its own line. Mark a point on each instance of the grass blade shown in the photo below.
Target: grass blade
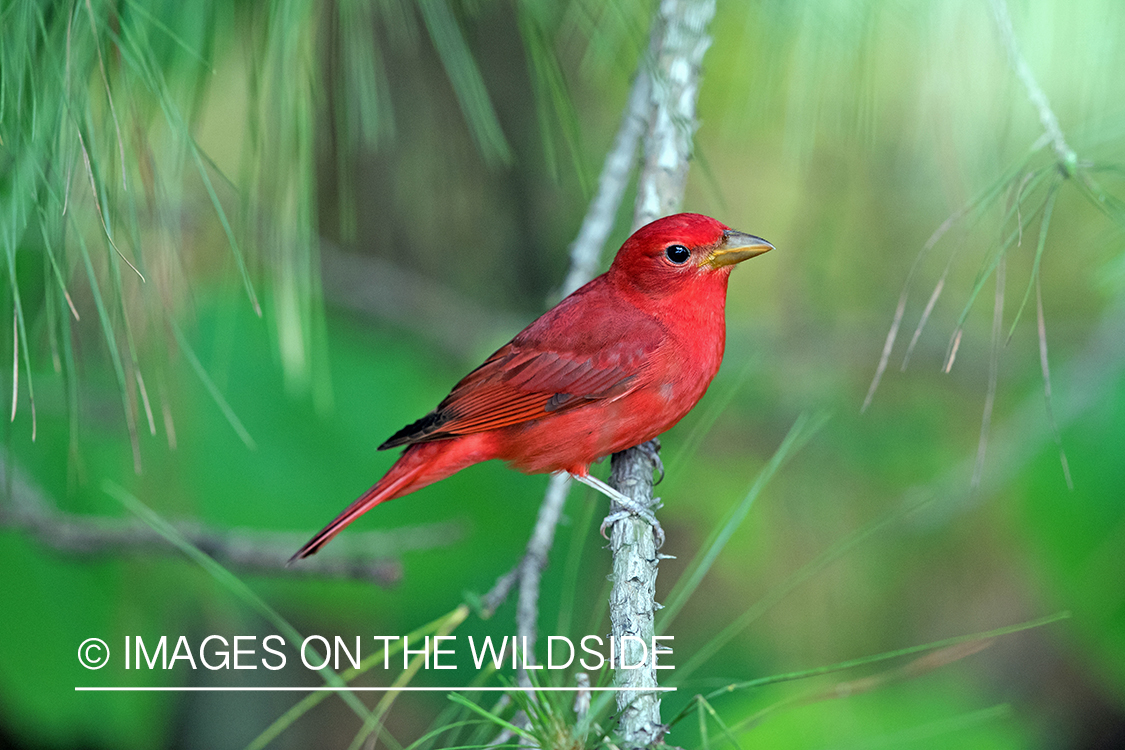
{"x": 455, "y": 618}
{"x": 497, "y": 720}
{"x": 1044, "y": 224}
{"x": 779, "y": 592}
{"x": 955, "y": 641}
{"x": 947, "y": 643}
{"x": 209, "y": 384}
{"x": 229, "y": 581}
{"x": 374, "y": 722}
{"x": 802, "y": 430}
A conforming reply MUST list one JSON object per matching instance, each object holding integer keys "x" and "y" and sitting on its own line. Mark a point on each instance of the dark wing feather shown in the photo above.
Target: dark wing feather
{"x": 584, "y": 350}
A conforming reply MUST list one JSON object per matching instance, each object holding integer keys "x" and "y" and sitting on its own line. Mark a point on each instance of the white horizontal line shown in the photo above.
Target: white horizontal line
{"x": 408, "y": 689}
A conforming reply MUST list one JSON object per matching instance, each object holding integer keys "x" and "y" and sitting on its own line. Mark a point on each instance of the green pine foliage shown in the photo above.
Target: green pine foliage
{"x": 185, "y": 186}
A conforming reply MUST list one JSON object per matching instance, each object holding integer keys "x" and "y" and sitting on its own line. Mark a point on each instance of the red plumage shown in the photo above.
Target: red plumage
{"x": 613, "y": 365}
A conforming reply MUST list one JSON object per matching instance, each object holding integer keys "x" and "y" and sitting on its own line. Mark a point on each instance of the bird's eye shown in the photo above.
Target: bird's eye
{"x": 678, "y": 254}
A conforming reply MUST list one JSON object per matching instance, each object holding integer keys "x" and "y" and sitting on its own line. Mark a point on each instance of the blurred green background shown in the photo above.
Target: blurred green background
{"x": 395, "y": 185}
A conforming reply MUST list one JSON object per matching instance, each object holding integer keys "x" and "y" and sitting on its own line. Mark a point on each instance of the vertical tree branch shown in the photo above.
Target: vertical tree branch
{"x": 665, "y": 89}
{"x": 531, "y": 568}
{"x": 632, "y": 601}
{"x": 676, "y": 50}
{"x": 585, "y": 254}
{"x": 614, "y": 178}
{"x": 679, "y": 40}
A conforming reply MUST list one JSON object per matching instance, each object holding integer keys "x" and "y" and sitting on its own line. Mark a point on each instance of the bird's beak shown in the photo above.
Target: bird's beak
{"x": 735, "y": 247}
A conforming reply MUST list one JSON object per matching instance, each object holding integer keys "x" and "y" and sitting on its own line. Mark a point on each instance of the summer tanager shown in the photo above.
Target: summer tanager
{"x": 612, "y": 366}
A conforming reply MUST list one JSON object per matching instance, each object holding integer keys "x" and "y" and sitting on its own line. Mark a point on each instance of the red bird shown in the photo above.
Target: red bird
{"x": 613, "y": 365}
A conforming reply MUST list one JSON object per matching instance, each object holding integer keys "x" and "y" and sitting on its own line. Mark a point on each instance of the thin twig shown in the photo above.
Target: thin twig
{"x": 498, "y": 594}
{"x": 531, "y": 569}
{"x": 1068, "y": 160}
{"x": 619, "y": 164}
{"x": 29, "y": 509}
{"x": 585, "y": 254}
{"x": 676, "y": 48}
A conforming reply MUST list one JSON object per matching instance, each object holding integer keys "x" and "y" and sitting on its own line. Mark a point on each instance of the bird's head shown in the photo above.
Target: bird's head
{"x": 683, "y": 250}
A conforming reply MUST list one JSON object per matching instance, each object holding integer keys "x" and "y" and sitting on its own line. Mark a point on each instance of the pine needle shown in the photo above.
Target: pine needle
{"x": 108, "y": 94}
{"x": 944, "y": 651}
{"x": 1042, "y": 326}
{"x": 799, "y": 434}
{"x": 993, "y": 372}
{"x": 466, "y": 79}
{"x": 231, "y": 582}
{"x": 926, "y": 314}
{"x": 212, "y": 389}
{"x": 98, "y": 203}
{"x": 1044, "y": 224}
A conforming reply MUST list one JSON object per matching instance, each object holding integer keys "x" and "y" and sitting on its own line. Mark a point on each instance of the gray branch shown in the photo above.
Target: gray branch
{"x": 531, "y": 567}
{"x": 585, "y": 255}
{"x": 679, "y": 40}
{"x": 28, "y": 509}
{"x": 372, "y": 286}
{"x": 632, "y": 601}
{"x": 675, "y": 55}
{"x": 586, "y": 251}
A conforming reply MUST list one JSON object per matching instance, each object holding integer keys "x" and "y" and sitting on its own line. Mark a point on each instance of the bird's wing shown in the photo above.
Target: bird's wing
{"x": 581, "y": 351}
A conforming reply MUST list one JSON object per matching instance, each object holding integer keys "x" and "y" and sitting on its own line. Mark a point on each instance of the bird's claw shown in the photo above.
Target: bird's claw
{"x": 627, "y": 505}
{"x": 640, "y": 511}
{"x": 611, "y": 519}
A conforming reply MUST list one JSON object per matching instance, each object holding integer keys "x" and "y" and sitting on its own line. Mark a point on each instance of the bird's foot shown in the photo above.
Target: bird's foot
{"x": 644, "y": 514}
{"x": 630, "y": 507}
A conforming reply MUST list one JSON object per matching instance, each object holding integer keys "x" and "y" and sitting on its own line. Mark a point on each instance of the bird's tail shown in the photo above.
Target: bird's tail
{"x": 420, "y": 465}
